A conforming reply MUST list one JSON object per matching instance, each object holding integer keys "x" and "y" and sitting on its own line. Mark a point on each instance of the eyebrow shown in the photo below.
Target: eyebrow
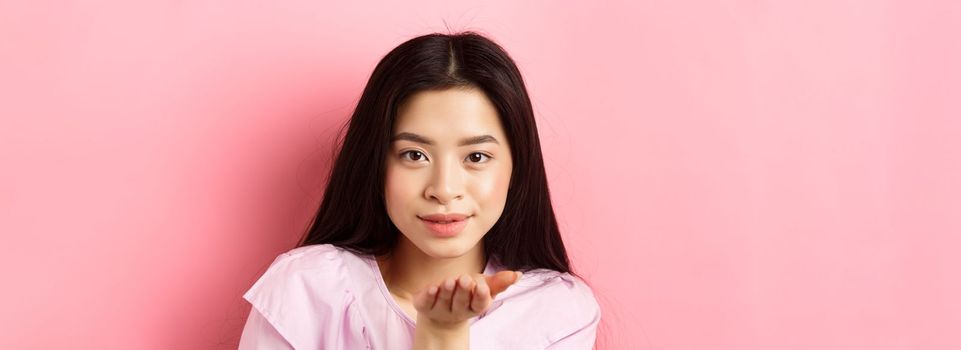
{"x": 424, "y": 140}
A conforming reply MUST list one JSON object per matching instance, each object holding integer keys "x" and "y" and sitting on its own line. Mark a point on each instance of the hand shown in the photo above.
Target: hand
{"x": 453, "y": 301}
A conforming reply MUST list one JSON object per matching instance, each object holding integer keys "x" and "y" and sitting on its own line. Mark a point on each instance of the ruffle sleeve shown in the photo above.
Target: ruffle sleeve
{"x": 304, "y": 295}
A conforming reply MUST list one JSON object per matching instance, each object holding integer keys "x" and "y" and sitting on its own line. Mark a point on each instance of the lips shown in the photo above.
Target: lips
{"x": 445, "y": 225}
{"x": 444, "y": 218}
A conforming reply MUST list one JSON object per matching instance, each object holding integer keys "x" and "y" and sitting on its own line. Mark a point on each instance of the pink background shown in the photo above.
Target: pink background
{"x": 727, "y": 174}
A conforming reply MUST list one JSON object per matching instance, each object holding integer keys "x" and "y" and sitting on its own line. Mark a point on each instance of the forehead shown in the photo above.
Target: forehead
{"x": 448, "y": 114}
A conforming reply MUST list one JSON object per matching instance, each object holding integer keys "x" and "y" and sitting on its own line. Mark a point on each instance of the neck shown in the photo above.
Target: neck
{"x": 407, "y": 269}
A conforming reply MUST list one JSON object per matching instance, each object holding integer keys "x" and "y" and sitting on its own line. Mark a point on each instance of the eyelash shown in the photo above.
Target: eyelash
{"x": 403, "y": 154}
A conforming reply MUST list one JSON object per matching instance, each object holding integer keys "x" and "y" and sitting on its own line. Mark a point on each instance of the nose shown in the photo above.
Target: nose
{"x": 446, "y": 183}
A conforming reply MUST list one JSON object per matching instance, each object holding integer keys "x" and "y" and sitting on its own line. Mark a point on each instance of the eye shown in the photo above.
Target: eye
{"x": 415, "y": 155}
{"x": 478, "y": 157}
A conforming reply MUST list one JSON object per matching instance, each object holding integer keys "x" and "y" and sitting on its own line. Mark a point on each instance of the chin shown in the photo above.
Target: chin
{"x": 445, "y": 249}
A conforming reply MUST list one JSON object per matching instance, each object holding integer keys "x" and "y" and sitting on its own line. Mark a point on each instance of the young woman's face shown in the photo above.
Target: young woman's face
{"x": 448, "y": 155}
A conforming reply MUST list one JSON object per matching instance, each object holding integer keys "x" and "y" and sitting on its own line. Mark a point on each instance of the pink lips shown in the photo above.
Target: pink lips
{"x": 445, "y": 225}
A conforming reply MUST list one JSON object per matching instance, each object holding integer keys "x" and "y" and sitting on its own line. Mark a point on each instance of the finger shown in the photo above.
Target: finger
{"x": 445, "y": 294}
{"x": 424, "y": 299}
{"x": 482, "y": 297}
{"x": 501, "y": 280}
{"x": 462, "y": 295}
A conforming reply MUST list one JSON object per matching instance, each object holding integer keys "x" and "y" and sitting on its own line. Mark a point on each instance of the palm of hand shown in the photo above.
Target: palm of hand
{"x": 456, "y": 300}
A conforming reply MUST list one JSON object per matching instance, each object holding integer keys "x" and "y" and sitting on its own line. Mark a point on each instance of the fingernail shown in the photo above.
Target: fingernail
{"x": 519, "y": 274}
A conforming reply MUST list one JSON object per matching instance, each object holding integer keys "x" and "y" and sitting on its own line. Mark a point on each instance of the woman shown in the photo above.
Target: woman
{"x": 436, "y": 229}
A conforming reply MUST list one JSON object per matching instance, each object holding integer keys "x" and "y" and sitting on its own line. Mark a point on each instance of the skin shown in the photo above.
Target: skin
{"x": 438, "y": 281}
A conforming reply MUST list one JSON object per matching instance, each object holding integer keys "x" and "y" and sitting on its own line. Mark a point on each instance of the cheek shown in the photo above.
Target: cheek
{"x": 397, "y": 191}
{"x": 492, "y": 191}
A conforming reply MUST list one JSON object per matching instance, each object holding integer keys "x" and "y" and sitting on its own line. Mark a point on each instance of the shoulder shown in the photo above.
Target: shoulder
{"x": 304, "y": 291}
{"x": 311, "y": 256}
{"x": 553, "y": 305}
{"x": 314, "y": 275}
{"x": 562, "y": 288}
{"x": 314, "y": 266}
{"x": 543, "y": 288}
{"x": 576, "y": 315}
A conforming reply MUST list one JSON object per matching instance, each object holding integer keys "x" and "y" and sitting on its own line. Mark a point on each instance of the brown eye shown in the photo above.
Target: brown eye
{"x": 477, "y": 157}
{"x": 415, "y": 155}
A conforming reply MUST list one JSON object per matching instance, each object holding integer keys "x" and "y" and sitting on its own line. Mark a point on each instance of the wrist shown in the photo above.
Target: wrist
{"x": 431, "y": 334}
{"x": 441, "y": 327}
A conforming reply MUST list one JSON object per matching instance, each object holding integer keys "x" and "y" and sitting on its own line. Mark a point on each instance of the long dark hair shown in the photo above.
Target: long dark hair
{"x": 352, "y": 214}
